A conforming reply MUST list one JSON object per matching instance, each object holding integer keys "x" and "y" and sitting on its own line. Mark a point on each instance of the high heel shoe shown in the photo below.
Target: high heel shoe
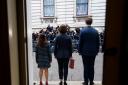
{"x": 46, "y": 82}
{"x": 41, "y": 83}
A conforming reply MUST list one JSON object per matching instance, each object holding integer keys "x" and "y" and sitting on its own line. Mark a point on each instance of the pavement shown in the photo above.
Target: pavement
{"x": 75, "y": 75}
{"x": 68, "y": 82}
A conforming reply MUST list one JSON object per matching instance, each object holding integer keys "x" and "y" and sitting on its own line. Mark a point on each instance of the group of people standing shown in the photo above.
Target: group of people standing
{"x": 88, "y": 47}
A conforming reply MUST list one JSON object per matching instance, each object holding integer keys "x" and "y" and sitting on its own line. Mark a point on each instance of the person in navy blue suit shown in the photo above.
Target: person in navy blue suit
{"x": 88, "y": 49}
{"x": 63, "y": 53}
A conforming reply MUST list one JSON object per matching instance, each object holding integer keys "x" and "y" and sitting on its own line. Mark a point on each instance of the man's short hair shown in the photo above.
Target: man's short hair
{"x": 88, "y": 20}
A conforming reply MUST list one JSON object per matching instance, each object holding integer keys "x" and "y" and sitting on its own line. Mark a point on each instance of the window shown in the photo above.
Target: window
{"x": 49, "y": 7}
{"x": 81, "y": 7}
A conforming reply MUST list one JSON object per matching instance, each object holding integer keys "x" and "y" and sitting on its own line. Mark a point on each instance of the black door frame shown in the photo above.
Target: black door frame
{"x": 5, "y": 75}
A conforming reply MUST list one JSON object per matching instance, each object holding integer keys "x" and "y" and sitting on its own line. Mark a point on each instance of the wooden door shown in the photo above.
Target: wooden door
{"x": 113, "y": 42}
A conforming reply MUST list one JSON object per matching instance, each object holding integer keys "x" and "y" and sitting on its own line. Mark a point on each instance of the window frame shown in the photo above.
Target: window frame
{"x": 44, "y": 9}
{"x": 80, "y": 15}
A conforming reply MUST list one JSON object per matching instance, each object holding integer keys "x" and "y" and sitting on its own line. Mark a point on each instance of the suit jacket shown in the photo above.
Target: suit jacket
{"x": 63, "y": 46}
{"x": 89, "y": 41}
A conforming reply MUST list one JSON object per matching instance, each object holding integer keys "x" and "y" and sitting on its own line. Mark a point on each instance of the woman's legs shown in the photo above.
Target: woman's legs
{"x": 46, "y": 74}
{"x": 40, "y": 75}
{"x": 63, "y": 69}
{"x": 65, "y": 63}
{"x": 60, "y": 68}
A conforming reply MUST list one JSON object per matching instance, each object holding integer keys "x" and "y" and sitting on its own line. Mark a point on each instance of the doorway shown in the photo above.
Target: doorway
{"x": 35, "y": 24}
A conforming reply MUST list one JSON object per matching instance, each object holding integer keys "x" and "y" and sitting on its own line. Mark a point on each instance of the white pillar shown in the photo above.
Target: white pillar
{"x": 29, "y": 37}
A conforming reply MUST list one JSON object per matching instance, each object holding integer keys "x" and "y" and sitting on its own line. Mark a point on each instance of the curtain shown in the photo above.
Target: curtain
{"x": 81, "y": 1}
{"x": 48, "y": 2}
{"x": 49, "y": 8}
{"x": 81, "y": 7}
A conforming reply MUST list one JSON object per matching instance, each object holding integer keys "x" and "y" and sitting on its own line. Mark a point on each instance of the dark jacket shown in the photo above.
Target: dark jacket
{"x": 89, "y": 41}
{"x": 43, "y": 54}
{"x": 63, "y": 46}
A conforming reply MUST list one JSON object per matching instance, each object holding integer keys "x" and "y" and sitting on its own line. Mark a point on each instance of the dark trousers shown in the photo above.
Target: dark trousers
{"x": 88, "y": 63}
{"x": 63, "y": 68}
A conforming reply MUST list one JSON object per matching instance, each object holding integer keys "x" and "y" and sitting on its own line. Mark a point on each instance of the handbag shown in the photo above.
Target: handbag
{"x": 71, "y": 63}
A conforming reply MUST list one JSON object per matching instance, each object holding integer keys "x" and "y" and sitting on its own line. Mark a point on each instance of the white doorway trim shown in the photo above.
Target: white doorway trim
{"x": 29, "y": 38}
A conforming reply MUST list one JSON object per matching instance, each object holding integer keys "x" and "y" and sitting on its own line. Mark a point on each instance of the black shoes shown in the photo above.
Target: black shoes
{"x": 65, "y": 83}
{"x": 85, "y": 83}
{"x": 91, "y": 83}
{"x": 61, "y": 83}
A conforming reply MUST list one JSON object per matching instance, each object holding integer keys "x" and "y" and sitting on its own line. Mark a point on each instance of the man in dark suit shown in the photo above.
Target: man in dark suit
{"x": 89, "y": 48}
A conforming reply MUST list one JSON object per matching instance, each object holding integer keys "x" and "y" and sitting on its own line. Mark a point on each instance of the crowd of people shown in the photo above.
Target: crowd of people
{"x": 51, "y": 33}
{"x": 86, "y": 42}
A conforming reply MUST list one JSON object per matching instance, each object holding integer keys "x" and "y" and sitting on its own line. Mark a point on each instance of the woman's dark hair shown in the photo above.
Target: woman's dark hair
{"x": 41, "y": 40}
{"x": 63, "y": 29}
{"x": 88, "y": 20}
